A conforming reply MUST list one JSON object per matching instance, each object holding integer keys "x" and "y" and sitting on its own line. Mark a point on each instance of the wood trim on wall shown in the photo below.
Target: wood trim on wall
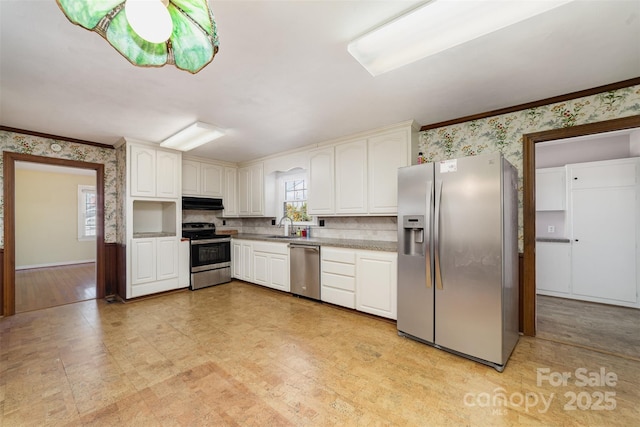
{"x": 110, "y": 263}
{"x": 529, "y": 208}
{"x": 540, "y": 103}
{"x": 58, "y": 137}
{"x": 9, "y": 264}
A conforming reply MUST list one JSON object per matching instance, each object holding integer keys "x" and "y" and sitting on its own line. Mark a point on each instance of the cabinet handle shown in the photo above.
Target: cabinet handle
{"x": 575, "y": 178}
{"x": 576, "y": 240}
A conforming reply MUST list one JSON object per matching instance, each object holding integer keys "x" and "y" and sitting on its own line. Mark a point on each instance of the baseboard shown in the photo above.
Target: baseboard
{"x": 54, "y": 264}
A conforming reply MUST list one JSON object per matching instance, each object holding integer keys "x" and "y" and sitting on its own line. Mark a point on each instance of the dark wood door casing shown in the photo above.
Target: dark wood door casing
{"x": 7, "y": 290}
{"x": 529, "y": 203}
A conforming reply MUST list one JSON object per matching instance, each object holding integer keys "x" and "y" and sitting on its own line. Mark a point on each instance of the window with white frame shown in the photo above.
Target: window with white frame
{"x": 87, "y": 206}
{"x": 293, "y": 195}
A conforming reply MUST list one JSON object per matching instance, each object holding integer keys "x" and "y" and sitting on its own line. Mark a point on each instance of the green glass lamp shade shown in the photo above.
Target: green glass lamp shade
{"x": 192, "y": 45}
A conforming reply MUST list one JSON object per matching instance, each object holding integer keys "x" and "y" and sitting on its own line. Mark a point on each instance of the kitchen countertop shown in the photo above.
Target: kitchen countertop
{"x": 371, "y": 245}
{"x": 553, "y": 239}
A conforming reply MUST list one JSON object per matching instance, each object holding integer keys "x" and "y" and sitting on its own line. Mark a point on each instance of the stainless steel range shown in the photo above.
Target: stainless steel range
{"x": 210, "y": 254}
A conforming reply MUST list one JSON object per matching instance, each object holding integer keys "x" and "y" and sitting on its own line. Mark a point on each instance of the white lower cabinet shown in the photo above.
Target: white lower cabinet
{"x": 154, "y": 265}
{"x": 184, "y": 266}
{"x": 553, "y": 268}
{"x": 262, "y": 263}
{"x": 360, "y": 279}
{"x": 338, "y": 276}
{"x": 376, "y": 283}
{"x": 236, "y": 259}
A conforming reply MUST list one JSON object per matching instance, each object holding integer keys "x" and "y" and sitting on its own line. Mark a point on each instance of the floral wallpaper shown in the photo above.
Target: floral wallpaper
{"x": 504, "y": 133}
{"x": 27, "y": 144}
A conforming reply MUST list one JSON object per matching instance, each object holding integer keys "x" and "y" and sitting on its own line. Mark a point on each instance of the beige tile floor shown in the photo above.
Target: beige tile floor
{"x": 241, "y": 355}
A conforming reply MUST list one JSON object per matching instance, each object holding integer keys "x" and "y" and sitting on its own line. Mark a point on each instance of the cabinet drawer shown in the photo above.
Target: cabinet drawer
{"x": 272, "y": 248}
{"x": 338, "y": 281}
{"x": 339, "y": 268}
{"x": 338, "y": 297}
{"x": 338, "y": 255}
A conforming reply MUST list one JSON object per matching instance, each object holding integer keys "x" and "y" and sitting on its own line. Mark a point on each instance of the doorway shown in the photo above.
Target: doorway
{"x": 529, "y": 207}
{"x": 55, "y": 244}
{"x": 605, "y": 323}
{"x": 9, "y": 274}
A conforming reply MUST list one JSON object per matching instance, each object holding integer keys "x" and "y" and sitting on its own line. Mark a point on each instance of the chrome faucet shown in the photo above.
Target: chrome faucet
{"x": 286, "y": 231}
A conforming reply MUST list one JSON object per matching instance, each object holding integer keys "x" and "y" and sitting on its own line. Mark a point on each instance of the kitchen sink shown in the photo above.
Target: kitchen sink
{"x": 280, "y": 236}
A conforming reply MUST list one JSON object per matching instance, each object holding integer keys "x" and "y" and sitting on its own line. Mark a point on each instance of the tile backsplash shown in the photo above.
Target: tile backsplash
{"x": 362, "y": 227}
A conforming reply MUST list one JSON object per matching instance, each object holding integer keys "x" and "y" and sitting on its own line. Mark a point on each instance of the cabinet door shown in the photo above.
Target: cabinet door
{"x": 551, "y": 189}
{"x": 351, "y": 177}
{"x": 553, "y": 268}
{"x": 190, "y": 178}
{"x": 603, "y": 252}
{"x": 212, "y": 180}
{"x": 257, "y": 190}
{"x": 261, "y": 268}
{"x": 386, "y": 153}
{"x": 236, "y": 260}
{"x": 279, "y": 268}
{"x": 167, "y": 258}
{"x": 184, "y": 264}
{"x": 143, "y": 261}
{"x": 143, "y": 171}
{"x": 321, "y": 196}
{"x": 229, "y": 196}
{"x": 244, "y": 191}
{"x": 247, "y": 261}
{"x": 376, "y": 283}
{"x": 168, "y": 176}
{"x": 612, "y": 173}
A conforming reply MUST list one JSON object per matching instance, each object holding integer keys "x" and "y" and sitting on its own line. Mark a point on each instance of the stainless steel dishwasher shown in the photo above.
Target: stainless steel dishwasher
{"x": 305, "y": 270}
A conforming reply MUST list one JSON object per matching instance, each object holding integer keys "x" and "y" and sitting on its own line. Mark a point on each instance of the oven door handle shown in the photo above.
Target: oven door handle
{"x": 209, "y": 241}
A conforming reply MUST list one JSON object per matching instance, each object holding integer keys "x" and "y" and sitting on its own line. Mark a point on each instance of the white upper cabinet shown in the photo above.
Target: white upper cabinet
{"x": 212, "y": 178}
{"x": 202, "y": 179}
{"x": 168, "y": 174}
{"x": 143, "y": 171}
{"x": 251, "y": 190}
{"x": 154, "y": 173}
{"x": 551, "y": 189}
{"x": 386, "y": 153}
{"x": 229, "y": 195}
{"x": 360, "y": 176}
{"x": 321, "y": 182}
{"x": 190, "y": 177}
{"x": 351, "y": 177}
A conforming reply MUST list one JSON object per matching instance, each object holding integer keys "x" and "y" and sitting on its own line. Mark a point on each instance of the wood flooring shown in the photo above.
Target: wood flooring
{"x": 242, "y": 355}
{"x": 604, "y": 327}
{"x": 39, "y": 288}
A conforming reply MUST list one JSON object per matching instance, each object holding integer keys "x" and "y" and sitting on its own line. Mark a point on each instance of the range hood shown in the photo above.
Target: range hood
{"x": 202, "y": 203}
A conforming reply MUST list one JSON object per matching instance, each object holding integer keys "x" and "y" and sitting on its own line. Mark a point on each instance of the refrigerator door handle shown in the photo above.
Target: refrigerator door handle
{"x": 427, "y": 240}
{"x": 436, "y": 235}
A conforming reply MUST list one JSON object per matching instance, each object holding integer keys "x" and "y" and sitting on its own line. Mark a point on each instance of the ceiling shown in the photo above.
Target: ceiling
{"x": 283, "y": 77}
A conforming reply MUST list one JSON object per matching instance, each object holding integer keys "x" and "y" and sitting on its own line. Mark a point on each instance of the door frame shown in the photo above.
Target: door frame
{"x": 8, "y": 288}
{"x": 529, "y": 202}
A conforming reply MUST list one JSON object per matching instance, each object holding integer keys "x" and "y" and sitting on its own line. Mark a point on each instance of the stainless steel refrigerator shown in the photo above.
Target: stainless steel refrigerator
{"x": 458, "y": 256}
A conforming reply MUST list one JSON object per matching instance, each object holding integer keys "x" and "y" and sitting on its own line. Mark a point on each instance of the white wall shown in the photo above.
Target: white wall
{"x": 580, "y": 150}
{"x": 47, "y": 219}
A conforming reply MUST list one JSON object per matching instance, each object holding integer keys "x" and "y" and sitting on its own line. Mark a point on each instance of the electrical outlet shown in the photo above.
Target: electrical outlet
{"x": 224, "y": 222}
{"x": 273, "y": 222}
{"x": 551, "y": 229}
{"x": 321, "y": 223}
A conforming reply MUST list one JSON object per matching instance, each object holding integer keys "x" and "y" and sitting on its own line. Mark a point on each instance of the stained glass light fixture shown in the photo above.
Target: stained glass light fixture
{"x": 151, "y": 33}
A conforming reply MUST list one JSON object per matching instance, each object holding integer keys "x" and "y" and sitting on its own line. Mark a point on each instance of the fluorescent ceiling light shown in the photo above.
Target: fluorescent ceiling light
{"x": 193, "y": 136}
{"x": 437, "y": 26}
